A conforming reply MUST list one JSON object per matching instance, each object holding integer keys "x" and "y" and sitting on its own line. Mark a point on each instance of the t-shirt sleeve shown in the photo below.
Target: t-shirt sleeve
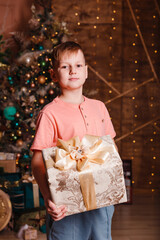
{"x": 109, "y": 129}
{"x": 45, "y": 132}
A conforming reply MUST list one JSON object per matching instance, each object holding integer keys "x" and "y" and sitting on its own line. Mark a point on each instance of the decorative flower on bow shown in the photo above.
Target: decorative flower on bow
{"x": 90, "y": 149}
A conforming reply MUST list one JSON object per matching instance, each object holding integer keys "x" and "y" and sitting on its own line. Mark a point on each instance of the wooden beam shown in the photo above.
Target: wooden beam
{"x": 103, "y": 79}
{"x": 137, "y": 129}
{"x": 143, "y": 42}
{"x": 130, "y": 90}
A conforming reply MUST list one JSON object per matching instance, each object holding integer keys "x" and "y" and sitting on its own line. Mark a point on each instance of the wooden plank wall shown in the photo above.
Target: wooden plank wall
{"x": 117, "y": 63}
{"x": 114, "y": 49}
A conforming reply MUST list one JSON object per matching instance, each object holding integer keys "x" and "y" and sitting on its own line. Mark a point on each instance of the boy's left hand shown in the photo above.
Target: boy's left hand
{"x": 57, "y": 213}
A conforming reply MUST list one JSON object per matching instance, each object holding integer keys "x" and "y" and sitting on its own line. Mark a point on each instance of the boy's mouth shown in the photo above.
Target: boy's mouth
{"x": 73, "y": 79}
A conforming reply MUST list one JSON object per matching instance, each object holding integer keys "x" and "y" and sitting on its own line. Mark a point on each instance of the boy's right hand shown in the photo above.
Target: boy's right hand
{"x": 57, "y": 213}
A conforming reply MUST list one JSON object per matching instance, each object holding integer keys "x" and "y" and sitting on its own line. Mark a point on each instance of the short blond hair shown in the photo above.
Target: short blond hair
{"x": 69, "y": 46}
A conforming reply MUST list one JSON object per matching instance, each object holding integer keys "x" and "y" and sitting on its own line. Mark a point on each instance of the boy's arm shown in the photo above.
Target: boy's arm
{"x": 39, "y": 173}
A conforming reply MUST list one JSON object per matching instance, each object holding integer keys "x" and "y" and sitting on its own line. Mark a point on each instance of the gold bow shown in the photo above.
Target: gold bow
{"x": 78, "y": 153}
{"x": 90, "y": 149}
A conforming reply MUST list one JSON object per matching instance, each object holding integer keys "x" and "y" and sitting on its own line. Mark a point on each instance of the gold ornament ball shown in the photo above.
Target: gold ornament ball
{"x": 32, "y": 85}
{"x": 18, "y": 155}
{"x": 26, "y": 110}
{"x": 41, "y": 100}
{"x": 17, "y": 115}
{"x": 19, "y": 132}
{"x": 41, "y": 79}
{"x": 51, "y": 92}
{"x": 28, "y": 75}
{"x": 24, "y": 89}
{"x": 19, "y": 142}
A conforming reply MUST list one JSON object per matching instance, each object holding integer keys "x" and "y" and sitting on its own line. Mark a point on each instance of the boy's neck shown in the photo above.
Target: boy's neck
{"x": 72, "y": 97}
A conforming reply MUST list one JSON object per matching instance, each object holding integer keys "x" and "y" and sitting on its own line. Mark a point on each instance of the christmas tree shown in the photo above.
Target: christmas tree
{"x": 26, "y": 81}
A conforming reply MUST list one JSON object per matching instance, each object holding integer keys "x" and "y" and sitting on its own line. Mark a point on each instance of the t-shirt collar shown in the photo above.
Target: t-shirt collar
{"x": 67, "y": 104}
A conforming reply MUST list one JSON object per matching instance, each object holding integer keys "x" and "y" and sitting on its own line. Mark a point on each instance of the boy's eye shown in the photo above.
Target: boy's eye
{"x": 79, "y": 65}
{"x": 64, "y": 66}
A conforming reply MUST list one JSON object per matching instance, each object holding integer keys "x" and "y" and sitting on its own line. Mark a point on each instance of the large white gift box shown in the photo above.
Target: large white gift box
{"x": 85, "y": 175}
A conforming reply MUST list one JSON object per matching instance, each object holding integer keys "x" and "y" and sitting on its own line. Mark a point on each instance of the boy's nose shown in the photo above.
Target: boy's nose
{"x": 72, "y": 70}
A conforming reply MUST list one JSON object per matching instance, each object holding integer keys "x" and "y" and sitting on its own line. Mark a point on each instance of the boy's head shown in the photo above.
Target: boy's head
{"x": 58, "y": 51}
{"x": 69, "y": 68}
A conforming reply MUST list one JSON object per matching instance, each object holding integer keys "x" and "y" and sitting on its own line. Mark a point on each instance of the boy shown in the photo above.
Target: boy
{"x": 68, "y": 115}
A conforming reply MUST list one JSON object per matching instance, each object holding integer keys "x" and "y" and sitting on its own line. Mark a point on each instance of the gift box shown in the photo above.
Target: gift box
{"x": 32, "y": 217}
{"x": 85, "y": 175}
{"x": 30, "y": 233}
{"x": 33, "y": 196}
{"x": 8, "y": 162}
{"x": 5, "y": 156}
{"x": 9, "y": 166}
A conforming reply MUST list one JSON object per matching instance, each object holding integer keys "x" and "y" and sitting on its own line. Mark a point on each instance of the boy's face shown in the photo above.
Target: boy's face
{"x": 72, "y": 71}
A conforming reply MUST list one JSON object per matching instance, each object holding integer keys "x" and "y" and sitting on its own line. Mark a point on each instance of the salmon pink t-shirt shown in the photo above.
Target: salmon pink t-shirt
{"x": 64, "y": 120}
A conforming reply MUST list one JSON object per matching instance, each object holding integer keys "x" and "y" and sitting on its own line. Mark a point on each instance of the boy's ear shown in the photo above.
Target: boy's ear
{"x": 53, "y": 75}
{"x": 86, "y": 66}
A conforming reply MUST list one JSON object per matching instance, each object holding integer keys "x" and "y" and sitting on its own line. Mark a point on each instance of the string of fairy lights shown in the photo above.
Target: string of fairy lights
{"x": 136, "y": 40}
{"x": 133, "y": 76}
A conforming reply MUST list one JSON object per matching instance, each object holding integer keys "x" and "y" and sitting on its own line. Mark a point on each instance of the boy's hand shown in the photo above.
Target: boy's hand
{"x": 57, "y": 213}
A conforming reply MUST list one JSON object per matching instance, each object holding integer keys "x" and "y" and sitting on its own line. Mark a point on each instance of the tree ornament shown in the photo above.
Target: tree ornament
{"x": 28, "y": 61}
{"x": 43, "y": 63}
{"x": 19, "y": 142}
{"x": 24, "y": 89}
{"x": 41, "y": 79}
{"x": 28, "y": 75}
{"x": 19, "y": 132}
{"x": 26, "y": 110}
{"x": 51, "y": 92}
{"x": 41, "y": 100}
{"x": 12, "y": 89}
{"x": 10, "y": 80}
{"x": 17, "y": 115}
{"x": 9, "y": 112}
{"x": 32, "y": 85}
{"x": 41, "y": 47}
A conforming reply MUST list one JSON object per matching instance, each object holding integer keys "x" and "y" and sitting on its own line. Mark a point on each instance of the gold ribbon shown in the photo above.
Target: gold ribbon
{"x": 7, "y": 184}
{"x": 76, "y": 153}
{"x": 90, "y": 149}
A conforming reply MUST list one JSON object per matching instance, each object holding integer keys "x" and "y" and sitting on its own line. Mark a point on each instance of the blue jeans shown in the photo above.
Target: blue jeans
{"x": 91, "y": 225}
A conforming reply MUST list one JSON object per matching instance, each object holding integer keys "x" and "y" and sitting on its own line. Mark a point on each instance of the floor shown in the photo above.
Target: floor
{"x": 137, "y": 221}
